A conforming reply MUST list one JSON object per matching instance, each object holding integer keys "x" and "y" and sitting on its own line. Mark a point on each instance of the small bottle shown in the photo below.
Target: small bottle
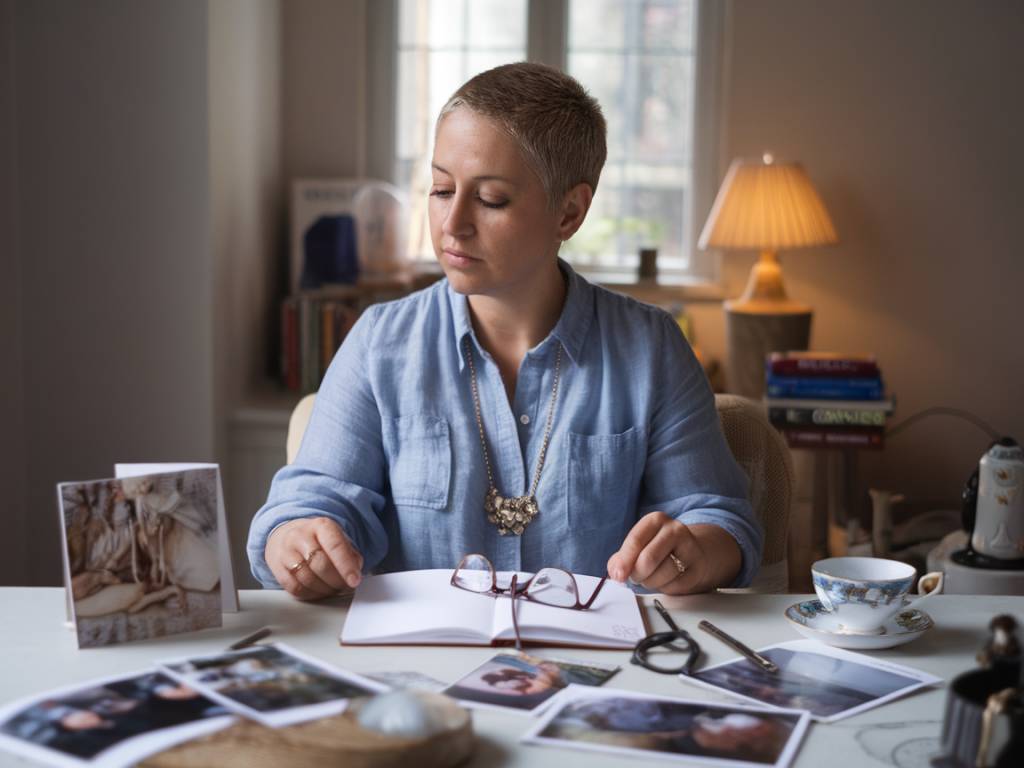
{"x": 648, "y": 264}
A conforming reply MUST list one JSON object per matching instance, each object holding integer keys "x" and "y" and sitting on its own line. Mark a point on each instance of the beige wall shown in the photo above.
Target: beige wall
{"x": 115, "y": 283}
{"x": 13, "y": 560}
{"x": 247, "y": 212}
{"x": 324, "y": 97}
{"x": 908, "y": 117}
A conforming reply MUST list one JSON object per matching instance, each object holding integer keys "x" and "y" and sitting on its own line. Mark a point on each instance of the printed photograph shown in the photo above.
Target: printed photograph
{"x": 829, "y": 684}
{"x": 273, "y": 684}
{"x": 89, "y": 723}
{"x": 142, "y": 556}
{"x": 689, "y": 731}
{"x": 519, "y": 681}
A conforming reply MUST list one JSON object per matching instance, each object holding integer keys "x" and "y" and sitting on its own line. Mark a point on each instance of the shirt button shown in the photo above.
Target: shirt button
{"x": 524, "y": 419}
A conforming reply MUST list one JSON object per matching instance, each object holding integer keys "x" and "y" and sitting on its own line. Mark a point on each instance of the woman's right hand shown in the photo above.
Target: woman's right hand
{"x": 312, "y": 558}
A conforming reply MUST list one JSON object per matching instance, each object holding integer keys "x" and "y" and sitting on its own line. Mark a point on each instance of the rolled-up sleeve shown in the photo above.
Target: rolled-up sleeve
{"x": 691, "y": 474}
{"x": 340, "y": 470}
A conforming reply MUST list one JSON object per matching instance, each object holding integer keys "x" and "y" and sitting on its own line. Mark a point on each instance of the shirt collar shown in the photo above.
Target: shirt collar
{"x": 571, "y": 328}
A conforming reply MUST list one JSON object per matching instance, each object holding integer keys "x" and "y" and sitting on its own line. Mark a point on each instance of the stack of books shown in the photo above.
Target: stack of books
{"x": 827, "y": 400}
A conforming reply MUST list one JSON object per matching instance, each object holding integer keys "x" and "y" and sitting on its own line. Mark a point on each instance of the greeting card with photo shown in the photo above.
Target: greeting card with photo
{"x": 145, "y": 556}
{"x": 830, "y": 683}
{"x": 698, "y": 732}
{"x": 273, "y": 684}
{"x": 525, "y": 683}
{"x": 228, "y": 591}
{"x": 108, "y": 723}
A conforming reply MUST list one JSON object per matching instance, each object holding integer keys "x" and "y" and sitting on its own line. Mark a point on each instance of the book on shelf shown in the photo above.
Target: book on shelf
{"x": 423, "y": 608}
{"x": 821, "y": 364}
{"x": 827, "y": 417}
{"x": 825, "y": 387}
{"x": 841, "y": 437}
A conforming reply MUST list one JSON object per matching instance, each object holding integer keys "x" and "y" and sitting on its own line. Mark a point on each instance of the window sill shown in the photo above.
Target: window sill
{"x": 663, "y": 290}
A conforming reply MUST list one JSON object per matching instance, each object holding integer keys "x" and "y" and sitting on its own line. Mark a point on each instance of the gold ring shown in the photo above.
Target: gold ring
{"x": 296, "y": 567}
{"x": 312, "y": 553}
{"x": 679, "y": 564}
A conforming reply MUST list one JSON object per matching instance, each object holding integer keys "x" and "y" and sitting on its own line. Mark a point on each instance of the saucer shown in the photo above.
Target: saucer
{"x": 810, "y": 619}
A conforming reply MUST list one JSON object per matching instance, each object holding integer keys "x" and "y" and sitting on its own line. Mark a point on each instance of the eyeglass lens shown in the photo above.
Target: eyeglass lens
{"x": 475, "y": 573}
{"x": 553, "y": 586}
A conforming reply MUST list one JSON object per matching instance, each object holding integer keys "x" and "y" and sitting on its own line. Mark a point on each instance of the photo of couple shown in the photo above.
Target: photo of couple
{"x": 520, "y": 681}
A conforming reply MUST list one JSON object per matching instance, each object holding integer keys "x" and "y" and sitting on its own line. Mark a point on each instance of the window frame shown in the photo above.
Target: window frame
{"x": 547, "y": 43}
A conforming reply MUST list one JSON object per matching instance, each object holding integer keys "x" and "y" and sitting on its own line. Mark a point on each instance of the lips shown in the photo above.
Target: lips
{"x": 459, "y": 259}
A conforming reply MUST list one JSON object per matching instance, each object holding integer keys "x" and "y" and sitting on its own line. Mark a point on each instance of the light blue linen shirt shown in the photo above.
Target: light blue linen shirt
{"x": 392, "y": 451}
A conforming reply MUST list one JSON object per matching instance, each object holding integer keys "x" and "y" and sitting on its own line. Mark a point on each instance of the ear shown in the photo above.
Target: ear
{"x": 574, "y": 209}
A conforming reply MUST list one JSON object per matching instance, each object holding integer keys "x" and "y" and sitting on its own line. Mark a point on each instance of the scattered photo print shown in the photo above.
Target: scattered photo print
{"x": 828, "y": 682}
{"x": 522, "y": 682}
{"x": 142, "y": 555}
{"x": 273, "y": 684}
{"x": 110, "y": 723}
{"x": 630, "y": 723}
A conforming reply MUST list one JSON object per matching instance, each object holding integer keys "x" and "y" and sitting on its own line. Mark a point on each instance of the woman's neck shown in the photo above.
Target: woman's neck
{"x": 508, "y": 326}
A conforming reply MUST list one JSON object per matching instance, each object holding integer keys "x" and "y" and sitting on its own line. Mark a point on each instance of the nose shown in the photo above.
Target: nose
{"x": 458, "y": 221}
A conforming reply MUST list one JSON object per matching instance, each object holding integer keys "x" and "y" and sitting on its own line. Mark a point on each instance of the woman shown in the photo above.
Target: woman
{"x": 512, "y": 409}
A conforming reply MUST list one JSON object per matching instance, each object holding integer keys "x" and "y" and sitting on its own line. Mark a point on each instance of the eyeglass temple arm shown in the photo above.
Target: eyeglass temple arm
{"x": 515, "y": 618}
{"x": 593, "y": 597}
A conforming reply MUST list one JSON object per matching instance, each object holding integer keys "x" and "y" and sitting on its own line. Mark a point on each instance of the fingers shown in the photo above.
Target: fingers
{"x": 645, "y": 556}
{"x": 339, "y": 551}
{"x": 622, "y": 563}
{"x": 304, "y": 556}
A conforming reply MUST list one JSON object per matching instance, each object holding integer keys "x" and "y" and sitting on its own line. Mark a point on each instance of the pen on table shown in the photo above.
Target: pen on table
{"x": 745, "y": 650}
{"x": 248, "y": 640}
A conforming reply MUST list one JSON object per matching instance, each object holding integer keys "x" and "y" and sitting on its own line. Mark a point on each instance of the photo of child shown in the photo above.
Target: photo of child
{"x": 523, "y": 682}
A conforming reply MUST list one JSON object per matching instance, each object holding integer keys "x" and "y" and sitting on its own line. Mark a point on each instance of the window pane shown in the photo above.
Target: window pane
{"x": 597, "y": 25}
{"x": 497, "y": 24}
{"x": 641, "y": 70}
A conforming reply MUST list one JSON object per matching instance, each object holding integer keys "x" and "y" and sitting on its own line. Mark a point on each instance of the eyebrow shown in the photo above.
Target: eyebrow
{"x": 485, "y": 177}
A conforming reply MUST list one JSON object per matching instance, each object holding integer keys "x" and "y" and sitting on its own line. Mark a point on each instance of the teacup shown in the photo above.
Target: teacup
{"x": 863, "y": 592}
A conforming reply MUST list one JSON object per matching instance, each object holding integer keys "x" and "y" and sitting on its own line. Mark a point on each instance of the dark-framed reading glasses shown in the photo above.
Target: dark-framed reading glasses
{"x": 670, "y": 653}
{"x": 548, "y": 586}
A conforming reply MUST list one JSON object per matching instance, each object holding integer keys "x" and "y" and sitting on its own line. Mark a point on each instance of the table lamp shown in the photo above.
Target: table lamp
{"x": 765, "y": 205}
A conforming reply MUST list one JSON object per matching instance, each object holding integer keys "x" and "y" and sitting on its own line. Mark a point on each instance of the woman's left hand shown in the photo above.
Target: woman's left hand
{"x": 662, "y": 554}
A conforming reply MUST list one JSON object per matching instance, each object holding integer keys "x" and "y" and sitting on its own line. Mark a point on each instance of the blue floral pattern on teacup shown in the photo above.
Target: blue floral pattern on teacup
{"x": 834, "y": 592}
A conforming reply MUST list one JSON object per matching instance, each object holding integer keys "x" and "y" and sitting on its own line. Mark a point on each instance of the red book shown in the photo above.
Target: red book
{"x": 848, "y": 437}
{"x": 821, "y": 364}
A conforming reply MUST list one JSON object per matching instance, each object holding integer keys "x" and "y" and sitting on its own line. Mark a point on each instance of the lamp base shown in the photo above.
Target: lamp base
{"x": 750, "y": 336}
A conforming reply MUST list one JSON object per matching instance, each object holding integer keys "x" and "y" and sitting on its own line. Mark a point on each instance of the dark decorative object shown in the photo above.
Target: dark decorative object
{"x": 984, "y": 720}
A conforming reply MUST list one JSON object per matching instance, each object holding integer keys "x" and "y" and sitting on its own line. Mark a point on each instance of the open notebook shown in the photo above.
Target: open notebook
{"x": 421, "y": 607}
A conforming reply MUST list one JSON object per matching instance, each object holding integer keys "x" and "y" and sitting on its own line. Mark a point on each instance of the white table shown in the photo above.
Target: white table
{"x": 37, "y": 652}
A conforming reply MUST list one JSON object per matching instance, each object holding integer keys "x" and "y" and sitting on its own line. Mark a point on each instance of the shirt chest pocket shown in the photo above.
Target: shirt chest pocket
{"x": 604, "y": 477}
{"x": 418, "y": 450}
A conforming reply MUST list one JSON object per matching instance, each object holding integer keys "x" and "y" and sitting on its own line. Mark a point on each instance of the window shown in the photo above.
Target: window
{"x": 650, "y": 63}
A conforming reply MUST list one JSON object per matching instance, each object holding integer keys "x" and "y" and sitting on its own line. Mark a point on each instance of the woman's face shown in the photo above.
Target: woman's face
{"x": 490, "y": 222}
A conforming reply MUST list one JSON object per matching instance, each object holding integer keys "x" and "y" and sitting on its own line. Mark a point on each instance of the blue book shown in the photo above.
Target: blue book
{"x": 825, "y": 387}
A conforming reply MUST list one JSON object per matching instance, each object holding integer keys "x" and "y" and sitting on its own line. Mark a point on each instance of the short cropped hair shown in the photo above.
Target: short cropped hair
{"x": 558, "y": 126}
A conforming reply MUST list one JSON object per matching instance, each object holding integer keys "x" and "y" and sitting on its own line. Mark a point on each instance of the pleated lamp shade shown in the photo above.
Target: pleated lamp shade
{"x": 767, "y": 206}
